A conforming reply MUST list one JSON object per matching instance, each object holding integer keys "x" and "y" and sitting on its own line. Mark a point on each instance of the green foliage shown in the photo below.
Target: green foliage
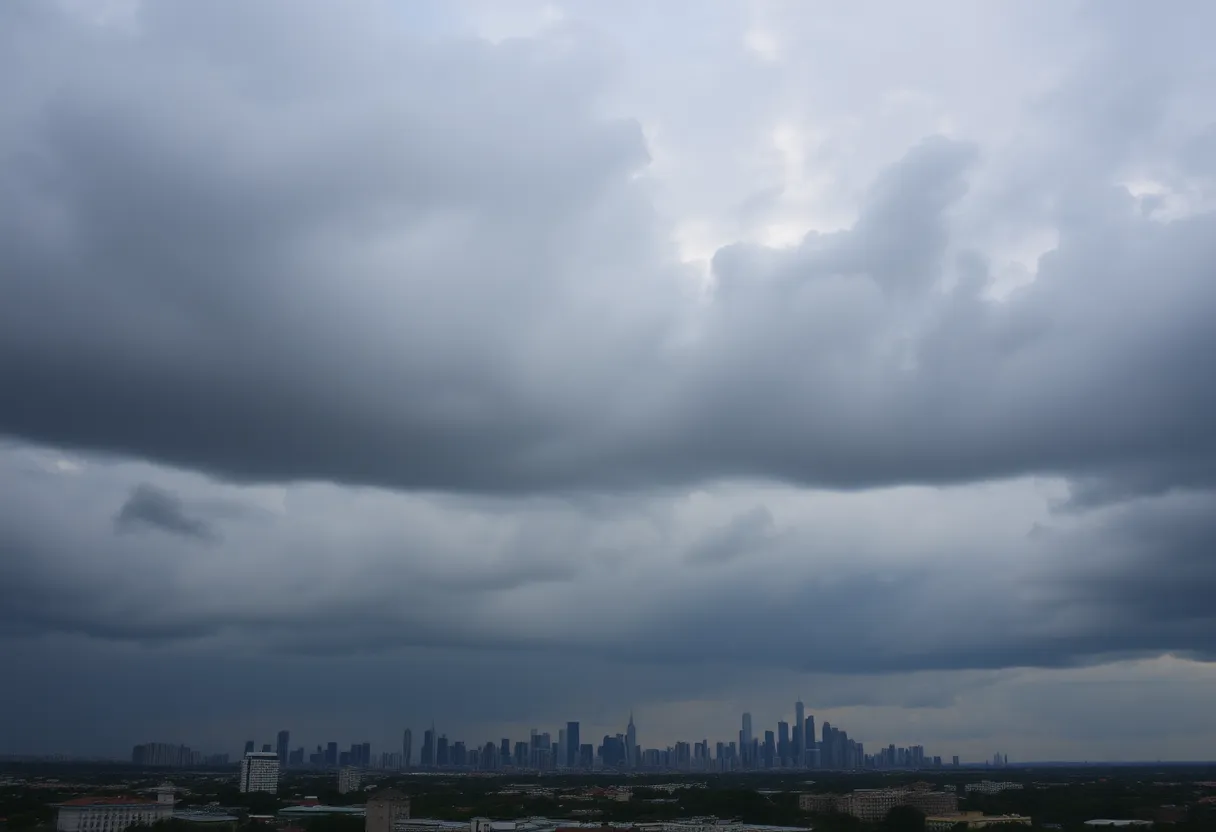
{"x": 335, "y": 823}
{"x": 904, "y": 819}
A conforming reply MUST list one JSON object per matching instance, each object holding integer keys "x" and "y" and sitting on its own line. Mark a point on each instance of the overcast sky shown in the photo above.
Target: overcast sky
{"x": 504, "y": 363}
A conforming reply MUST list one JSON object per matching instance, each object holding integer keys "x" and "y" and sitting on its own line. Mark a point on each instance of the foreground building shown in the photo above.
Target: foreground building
{"x": 260, "y": 772}
{"x": 872, "y": 805}
{"x": 385, "y": 809}
{"x": 349, "y": 780}
{"x": 113, "y": 814}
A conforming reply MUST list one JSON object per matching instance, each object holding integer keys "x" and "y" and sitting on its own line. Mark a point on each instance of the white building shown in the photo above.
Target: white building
{"x": 112, "y": 814}
{"x": 349, "y": 780}
{"x": 260, "y": 772}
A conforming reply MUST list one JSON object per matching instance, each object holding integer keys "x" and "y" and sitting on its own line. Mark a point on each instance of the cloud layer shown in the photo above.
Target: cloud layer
{"x": 748, "y": 342}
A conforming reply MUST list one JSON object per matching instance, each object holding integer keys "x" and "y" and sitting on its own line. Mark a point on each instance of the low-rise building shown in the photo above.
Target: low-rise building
{"x": 872, "y": 805}
{"x": 113, "y": 814}
{"x": 991, "y": 787}
{"x": 385, "y": 810}
{"x": 209, "y": 821}
{"x": 973, "y": 820}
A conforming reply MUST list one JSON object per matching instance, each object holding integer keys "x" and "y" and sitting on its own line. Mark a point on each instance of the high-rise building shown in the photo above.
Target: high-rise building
{"x": 809, "y": 747}
{"x": 441, "y": 751}
{"x": 572, "y": 745}
{"x": 631, "y": 744}
{"x": 282, "y": 747}
{"x": 428, "y": 748}
{"x": 265, "y": 748}
{"x": 349, "y": 780}
{"x": 504, "y": 752}
{"x": 783, "y": 744}
{"x": 331, "y": 754}
{"x": 563, "y": 757}
{"x": 407, "y": 748}
{"x": 248, "y": 746}
{"x": 800, "y": 739}
{"x": 260, "y": 772}
{"x": 745, "y": 740}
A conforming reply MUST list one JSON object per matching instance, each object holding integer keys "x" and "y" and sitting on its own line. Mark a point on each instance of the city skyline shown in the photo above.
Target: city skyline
{"x": 802, "y": 749}
{"x": 508, "y": 363}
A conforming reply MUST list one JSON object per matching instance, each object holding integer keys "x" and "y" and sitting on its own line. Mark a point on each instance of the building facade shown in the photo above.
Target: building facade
{"x": 385, "y": 810}
{"x": 872, "y": 805}
{"x": 112, "y": 814}
{"x": 260, "y": 772}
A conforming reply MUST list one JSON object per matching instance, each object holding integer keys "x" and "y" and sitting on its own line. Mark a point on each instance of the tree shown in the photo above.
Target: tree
{"x": 904, "y": 819}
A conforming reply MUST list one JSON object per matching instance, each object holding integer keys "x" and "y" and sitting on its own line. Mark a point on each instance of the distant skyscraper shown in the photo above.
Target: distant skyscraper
{"x": 572, "y": 745}
{"x": 504, "y": 751}
{"x": 283, "y": 747}
{"x": 783, "y": 743}
{"x": 407, "y": 748}
{"x": 331, "y": 754}
{"x": 745, "y": 739}
{"x": 428, "y": 747}
{"x": 248, "y": 746}
{"x": 800, "y": 738}
{"x": 266, "y": 748}
{"x": 631, "y": 744}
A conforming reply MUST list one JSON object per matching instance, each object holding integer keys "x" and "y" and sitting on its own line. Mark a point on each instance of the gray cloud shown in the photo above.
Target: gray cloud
{"x": 518, "y": 323}
{"x": 149, "y": 507}
{"x": 428, "y": 352}
{"x": 752, "y": 529}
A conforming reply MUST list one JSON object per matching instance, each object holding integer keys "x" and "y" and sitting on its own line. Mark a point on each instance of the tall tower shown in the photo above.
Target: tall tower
{"x": 282, "y": 747}
{"x": 745, "y": 737}
{"x": 799, "y": 739}
{"x": 809, "y": 735}
{"x": 428, "y": 747}
{"x": 631, "y": 744}
{"x": 572, "y": 744}
{"x": 407, "y": 748}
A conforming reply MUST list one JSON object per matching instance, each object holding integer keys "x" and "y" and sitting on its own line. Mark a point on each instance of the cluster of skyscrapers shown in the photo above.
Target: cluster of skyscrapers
{"x": 168, "y": 755}
{"x": 796, "y": 745}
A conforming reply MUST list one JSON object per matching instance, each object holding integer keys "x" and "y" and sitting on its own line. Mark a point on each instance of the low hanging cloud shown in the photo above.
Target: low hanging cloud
{"x": 150, "y": 507}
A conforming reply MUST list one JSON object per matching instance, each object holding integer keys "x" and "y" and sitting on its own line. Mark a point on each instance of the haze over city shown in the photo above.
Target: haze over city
{"x": 496, "y": 364}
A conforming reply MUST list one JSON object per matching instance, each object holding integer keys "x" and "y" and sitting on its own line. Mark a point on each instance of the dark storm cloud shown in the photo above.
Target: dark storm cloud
{"x": 248, "y": 245}
{"x": 308, "y": 275}
{"x": 149, "y": 507}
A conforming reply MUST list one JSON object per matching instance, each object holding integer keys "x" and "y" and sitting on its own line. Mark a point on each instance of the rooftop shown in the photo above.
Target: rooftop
{"x": 204, "y": 817}
{"x": 108, "y": 801}
{"x": 387, "y": 794}
{"x": 318, "y": 809}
